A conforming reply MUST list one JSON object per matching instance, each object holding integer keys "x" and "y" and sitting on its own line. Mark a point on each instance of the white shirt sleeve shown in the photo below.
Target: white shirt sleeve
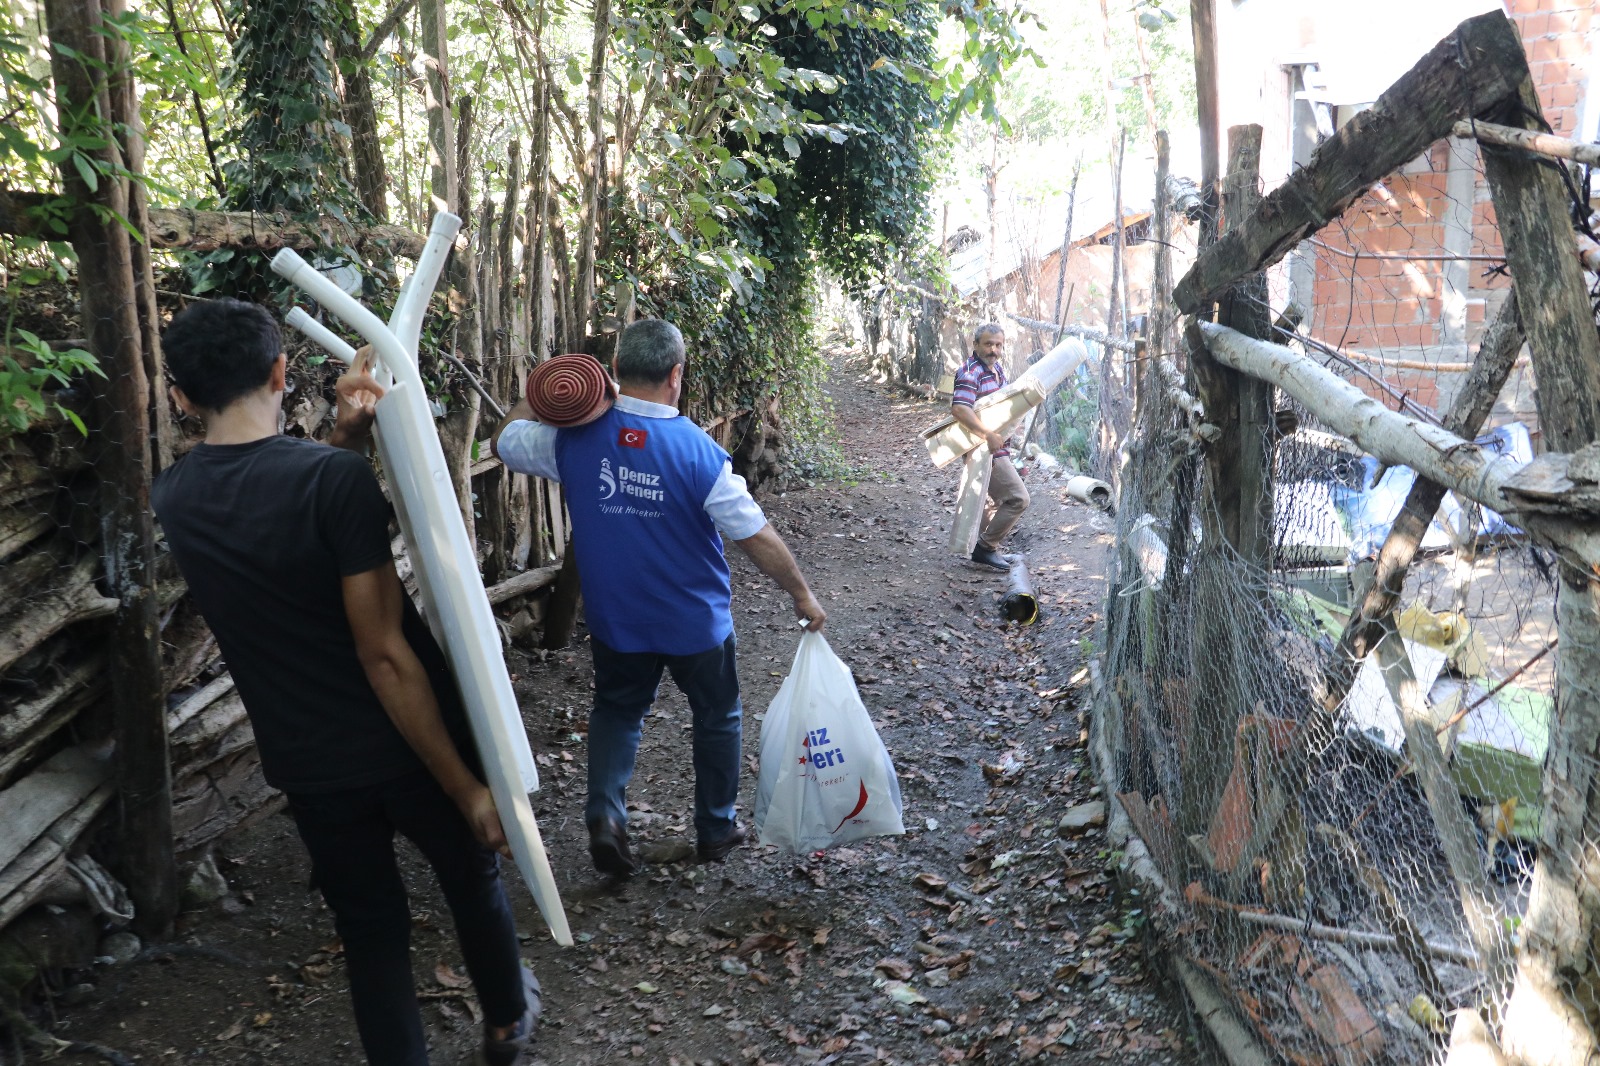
{"x": 529, "y": 448}
{"x": 731, "y": 508}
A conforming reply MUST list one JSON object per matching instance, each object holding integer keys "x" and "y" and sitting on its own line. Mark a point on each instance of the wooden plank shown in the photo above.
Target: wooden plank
{"x": 1466, "y": 73}
{"x": 75, "y": 600}
{"x": 180, "y": 715}
{"x": 1203, "y": 26}
{"x": 34, "y": 804}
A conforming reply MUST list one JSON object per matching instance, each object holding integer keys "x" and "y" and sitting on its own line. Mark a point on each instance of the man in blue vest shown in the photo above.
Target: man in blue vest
{"x": 652, "y": 499}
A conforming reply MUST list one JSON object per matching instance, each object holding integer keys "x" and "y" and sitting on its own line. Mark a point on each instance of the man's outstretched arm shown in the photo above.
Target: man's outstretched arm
{"x": 773, "y": 558}
{"x": 373, "y": 604}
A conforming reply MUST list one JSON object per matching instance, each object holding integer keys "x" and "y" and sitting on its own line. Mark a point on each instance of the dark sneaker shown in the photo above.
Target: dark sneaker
{"x": 990, "y": 558}
{"x": 608, "y": 847}
{"x": 718, "y": 851}
{"x": 512, "y": 1050}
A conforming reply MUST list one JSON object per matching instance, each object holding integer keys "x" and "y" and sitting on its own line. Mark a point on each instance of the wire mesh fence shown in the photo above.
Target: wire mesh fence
{"x": 1350, "y": 847}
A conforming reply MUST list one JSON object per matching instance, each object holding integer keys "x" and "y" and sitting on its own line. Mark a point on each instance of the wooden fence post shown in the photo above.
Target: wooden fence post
{"x": 107, "y": 292}
{"x": 1235, "y": 512}
{"x": 1553, "y": 1016}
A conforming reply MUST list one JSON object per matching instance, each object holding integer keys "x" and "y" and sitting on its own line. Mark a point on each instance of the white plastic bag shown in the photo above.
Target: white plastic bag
{"x": 826, "y": 778}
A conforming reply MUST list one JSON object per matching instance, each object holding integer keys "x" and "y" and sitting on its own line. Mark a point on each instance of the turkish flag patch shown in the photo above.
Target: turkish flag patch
{"x": 632, "y": 438}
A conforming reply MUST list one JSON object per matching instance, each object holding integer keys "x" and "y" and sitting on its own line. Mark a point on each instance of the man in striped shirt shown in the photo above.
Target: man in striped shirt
{"x": 980, "y": 375}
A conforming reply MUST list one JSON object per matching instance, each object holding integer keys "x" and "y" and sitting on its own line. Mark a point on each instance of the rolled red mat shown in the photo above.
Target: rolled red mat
{"x": 570, "y": 390}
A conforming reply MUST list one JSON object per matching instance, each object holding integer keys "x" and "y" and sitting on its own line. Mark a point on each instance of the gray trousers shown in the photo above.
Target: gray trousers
{"x": 1008, "y": 498}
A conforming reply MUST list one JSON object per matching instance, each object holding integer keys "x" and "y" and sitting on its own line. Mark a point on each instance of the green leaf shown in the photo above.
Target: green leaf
{"x": 86, "y": 171}
{"x": 574, "y": 70}
{"x": 791, "y": 146}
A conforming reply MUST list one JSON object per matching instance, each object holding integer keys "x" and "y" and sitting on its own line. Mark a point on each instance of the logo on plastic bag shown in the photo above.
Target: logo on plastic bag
{"x": 822, "y": 757}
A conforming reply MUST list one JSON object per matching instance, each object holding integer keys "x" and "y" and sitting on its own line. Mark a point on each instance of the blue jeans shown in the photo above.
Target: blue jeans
{"x": 625, "y": 686}
{"x": 350, "y": 836}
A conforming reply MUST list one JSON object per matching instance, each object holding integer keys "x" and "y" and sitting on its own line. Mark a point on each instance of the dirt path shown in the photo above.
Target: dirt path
{"x": 1003, "y": 934}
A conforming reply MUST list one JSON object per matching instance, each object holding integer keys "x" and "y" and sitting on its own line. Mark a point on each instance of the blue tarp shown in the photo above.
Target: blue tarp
{"x": 1368, "y": 513}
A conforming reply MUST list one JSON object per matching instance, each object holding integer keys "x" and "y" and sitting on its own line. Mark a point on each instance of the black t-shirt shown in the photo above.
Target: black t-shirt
{"x": 263, "y": 532}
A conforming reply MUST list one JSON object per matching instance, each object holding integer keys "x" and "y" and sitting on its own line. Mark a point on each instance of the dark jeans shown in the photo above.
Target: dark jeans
{"x": 624, "y": 688}
{"x": 350, "y": 836}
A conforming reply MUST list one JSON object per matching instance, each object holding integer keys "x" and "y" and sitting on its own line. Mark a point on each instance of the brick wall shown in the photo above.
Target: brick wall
{"x": 1397, "y": 307}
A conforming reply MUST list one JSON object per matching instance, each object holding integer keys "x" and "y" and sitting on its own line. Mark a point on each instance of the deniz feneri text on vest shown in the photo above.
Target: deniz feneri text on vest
{"x": 634, "y": 483}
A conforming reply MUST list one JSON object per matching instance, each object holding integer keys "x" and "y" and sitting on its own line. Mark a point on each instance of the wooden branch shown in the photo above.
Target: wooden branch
{"x": 1497, "y": 356}
{"x": 1397, "y": 440}
{"x": 1530, "y": 140}
{"x": 1100, "y": 337}
{"x": 524, "y": 583}
{"x": 1464, "y": 74}
{"x": 1457, "y": 836}
{"x": 1316, "y": 930}
{"x": 381, "y": 32}
{"x": 1560, "y": 484}
{"x": 21, "y": 526}
{"x": 204, "y": 231}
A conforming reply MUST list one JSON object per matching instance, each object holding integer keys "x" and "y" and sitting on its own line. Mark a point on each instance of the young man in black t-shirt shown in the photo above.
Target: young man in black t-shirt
{"x": 285, "y": 547}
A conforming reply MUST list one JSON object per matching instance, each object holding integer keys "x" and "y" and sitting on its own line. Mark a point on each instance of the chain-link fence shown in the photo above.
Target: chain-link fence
{"x": 1348, "y": 846}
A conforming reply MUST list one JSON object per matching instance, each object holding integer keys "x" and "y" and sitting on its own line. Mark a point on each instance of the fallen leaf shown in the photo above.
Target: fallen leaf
{"x": 232, "y": 1031}
{"x": 820, "y": 937}
{"x": 899, "y": 969}
{"x": 770, "y": 942}
{"x": 447, "y": 977}
{"x": 901, "y": 992}
{"x": 931, "y": 882}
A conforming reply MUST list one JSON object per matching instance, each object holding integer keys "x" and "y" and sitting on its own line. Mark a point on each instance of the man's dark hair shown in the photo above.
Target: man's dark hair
{"x": 648, "y": 350}
{"x": 220, "y": 350}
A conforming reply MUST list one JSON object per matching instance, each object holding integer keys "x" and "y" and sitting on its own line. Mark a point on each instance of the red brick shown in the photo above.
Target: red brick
{"x": 1565, "y": 95}
{"x": 1541, "y": 49}
{"x": 1535, "y": 25}
{"x": 1525, "y": 7}
{"x": 1567, "y": 21}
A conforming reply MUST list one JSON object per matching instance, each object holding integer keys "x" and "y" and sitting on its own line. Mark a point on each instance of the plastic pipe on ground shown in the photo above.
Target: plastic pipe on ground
{"x": 1019, "y": 604}
{"x": 1090, "y": 490}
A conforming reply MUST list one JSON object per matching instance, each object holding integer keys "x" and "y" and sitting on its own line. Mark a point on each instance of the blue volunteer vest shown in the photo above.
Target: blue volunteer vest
{"x": 649, "y": 557}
